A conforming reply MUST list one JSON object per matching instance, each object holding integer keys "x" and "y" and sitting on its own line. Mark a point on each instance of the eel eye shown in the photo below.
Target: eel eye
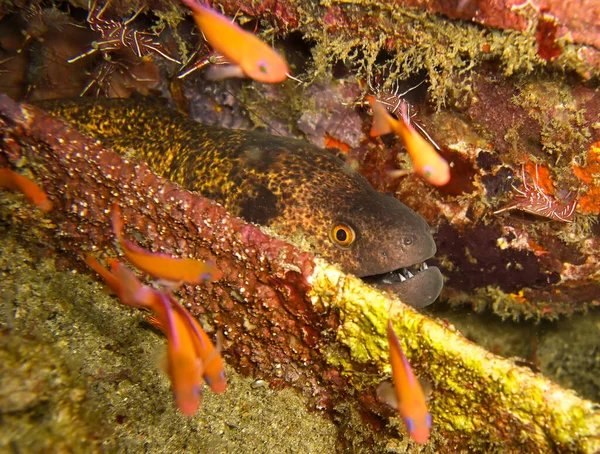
{"x": 343, "y": 235}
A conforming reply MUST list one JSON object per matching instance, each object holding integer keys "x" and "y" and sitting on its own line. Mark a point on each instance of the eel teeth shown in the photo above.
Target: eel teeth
{"x": 403, "y": 274}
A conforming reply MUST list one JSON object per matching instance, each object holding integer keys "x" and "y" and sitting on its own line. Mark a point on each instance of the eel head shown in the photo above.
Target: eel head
{"x": 390, "y": 248}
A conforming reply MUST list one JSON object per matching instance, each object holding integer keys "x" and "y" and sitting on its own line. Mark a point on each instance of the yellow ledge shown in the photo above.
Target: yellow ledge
{"x": 479, "y": 400}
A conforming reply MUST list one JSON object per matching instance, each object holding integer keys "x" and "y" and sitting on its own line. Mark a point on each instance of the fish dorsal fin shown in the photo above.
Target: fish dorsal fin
{"x": 387, "y": 394}
{"x": 381, "y": 124}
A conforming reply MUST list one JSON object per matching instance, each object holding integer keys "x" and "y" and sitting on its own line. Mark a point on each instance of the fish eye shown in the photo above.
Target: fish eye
{"x": 263, "y": 67}
{"x": 428, "y": 172}
{"x": 408, "y": 240}
{"x": 342, "y": 234}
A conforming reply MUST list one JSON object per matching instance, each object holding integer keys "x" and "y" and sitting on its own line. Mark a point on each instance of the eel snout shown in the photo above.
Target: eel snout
{"x": 418, "y": 285}
{"x": 395, "y": 260}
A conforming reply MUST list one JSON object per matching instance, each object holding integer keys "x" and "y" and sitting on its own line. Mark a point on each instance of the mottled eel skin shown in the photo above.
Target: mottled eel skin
{"x": 295, "y": 188}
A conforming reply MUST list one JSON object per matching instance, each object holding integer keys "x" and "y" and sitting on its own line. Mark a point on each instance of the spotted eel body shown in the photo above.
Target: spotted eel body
{"x": 299, "y": 190}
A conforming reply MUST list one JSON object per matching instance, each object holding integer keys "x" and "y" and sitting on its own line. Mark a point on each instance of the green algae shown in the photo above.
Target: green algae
{"x": 564, "y": 350}
{"x": 577, "y": 232}
{"x": 448, "y": 51}
{"x": 552, "y": 104}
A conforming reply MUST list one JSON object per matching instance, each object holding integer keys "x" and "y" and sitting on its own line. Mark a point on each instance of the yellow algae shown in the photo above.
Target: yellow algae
{"x": 479, "y": 398}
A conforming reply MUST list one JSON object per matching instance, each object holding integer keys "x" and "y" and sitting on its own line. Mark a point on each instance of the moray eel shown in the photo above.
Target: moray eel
{"x": 298, "y": 190}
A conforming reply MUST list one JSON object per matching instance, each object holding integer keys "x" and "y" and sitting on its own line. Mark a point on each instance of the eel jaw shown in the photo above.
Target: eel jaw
{"x": 417, "y": 286}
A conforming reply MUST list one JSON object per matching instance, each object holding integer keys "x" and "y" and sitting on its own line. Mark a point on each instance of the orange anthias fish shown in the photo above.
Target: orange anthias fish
{"x": 426, "y": 160}
{"x": 185, "y": 365}
{"x": 36, "y": 195}
{"x": 214, "y": 372}
{"x": 249, "y": 56}
{"x": 409, "y": 394}
{"x": 163, "y": 266}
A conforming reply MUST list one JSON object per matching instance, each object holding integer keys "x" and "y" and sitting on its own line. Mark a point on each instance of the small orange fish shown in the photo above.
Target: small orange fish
{"x": 163, "y": 266}
{"x": 426, "y": 160}
{"x": 16, "y": 182}
{"x": 409, "y": 393}
{"x": 249, "y": 56}
{"x": 185, "y": 366}
{"x": 126, "y": 285}
{"x": 214, "y": 372}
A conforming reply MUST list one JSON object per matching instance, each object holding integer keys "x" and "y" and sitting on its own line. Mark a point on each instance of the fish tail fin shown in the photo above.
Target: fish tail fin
{"x": 217, "y": 350}
{"x": 216, "y": 73}
{"x": 111, "y": 280}
{"x": 215, "y": 373}
{"x": 117, "y": 222}
{"x": 132, "y": 291}
{"x": 381, "y": 124}
{"x": 154, "y": 321}
{"x": 387, "y": 393}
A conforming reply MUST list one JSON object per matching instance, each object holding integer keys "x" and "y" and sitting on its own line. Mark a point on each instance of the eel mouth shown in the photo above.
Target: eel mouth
{"x": 416, "y": 285}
